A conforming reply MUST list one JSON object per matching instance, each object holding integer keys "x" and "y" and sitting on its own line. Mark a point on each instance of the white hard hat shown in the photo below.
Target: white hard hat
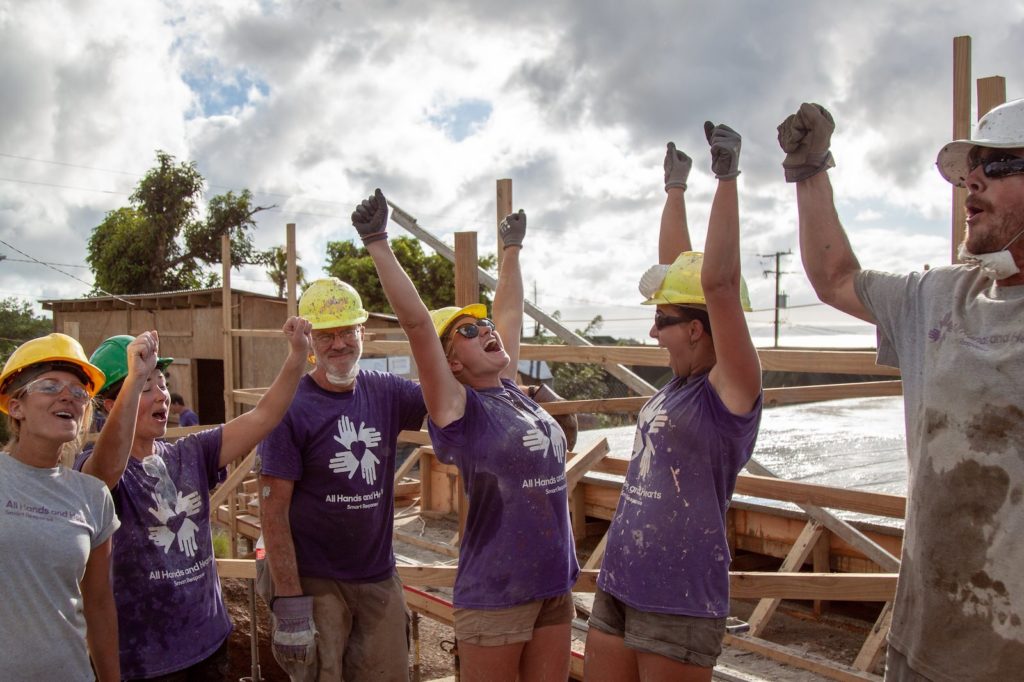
{"x": 1001, "y": 128}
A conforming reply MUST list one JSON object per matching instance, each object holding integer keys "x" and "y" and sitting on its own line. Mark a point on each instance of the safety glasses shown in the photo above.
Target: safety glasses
{"x": 661, "y": 320}
{"x": 54, "y": 387}
{"x": 325, "y": 338}
{"x": 994, "y": 163}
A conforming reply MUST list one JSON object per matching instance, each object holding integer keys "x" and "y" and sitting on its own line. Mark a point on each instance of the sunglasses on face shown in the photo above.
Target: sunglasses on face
{"x": 471, "y": 330}
{"x": 54, "y": 387}
{"x": 995, "y": 165}
{"x": 326, "y": 338}
{"x": 661, "y": 320}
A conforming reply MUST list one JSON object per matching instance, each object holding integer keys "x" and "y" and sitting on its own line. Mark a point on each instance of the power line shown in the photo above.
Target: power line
{"x": 36, "y": 260}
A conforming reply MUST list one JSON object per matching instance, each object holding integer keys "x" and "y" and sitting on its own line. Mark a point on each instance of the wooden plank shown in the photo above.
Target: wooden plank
{"x": 427, "y": 576}
{"x": 961, "y": 130}
{"x": 407, "y": 465}
{"x": 576, "y": 467}
{"x": 429, "y": 605}
{"x": 870, "y": 654}
{"x": 821, "y": 563}
{"x": 773, "y": 397}
{"x": 879, "y": 504}
{"x": 503, "y": 206}
{"x": 231, "y": 483}
{"x": 991, "y": 93}
{"x": 426, "y": 485}
{"x": 438, "y": 547}
{"x": 578, "y": 515}
{"x": 839, "y": 586}
{"x": 594, "y": 561}
{"x": 794, "y": 560}
{"x": 416, "y": 437}
{"x": 815, "y": 664}
{"x": 236, "y": 568}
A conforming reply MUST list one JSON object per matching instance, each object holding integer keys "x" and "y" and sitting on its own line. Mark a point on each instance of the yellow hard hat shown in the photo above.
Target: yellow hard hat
{"x": 679, "y": 283}
{"x": 443, "y": 317}
{"x": 329, "y": 303}
{"x": 54, "y": 349}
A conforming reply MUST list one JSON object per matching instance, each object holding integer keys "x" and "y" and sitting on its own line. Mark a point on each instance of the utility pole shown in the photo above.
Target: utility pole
{"x": 778, "y": 277}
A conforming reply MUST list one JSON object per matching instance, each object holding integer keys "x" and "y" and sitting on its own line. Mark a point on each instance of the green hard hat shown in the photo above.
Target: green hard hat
{"x": 112, "y": 358}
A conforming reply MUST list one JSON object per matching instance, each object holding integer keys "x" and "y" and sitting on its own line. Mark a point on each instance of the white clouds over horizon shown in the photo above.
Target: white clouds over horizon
{"x": 310, "y": 105}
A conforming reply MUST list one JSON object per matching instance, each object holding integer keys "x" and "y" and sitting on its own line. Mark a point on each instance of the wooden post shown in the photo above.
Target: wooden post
{"x": 822, "y": 558}
{"x": 961, "y": 128}
{"x": 991, "y": 93}
{"x": 504, "y": 204}
{"x": 467, "y": 291}
{"x": 292, "y": 274}
{"x": 229, "y": 374}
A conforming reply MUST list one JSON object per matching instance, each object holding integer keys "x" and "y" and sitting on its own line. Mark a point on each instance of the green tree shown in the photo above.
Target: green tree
{"x": 433, "y": 275}
{"x": 17, "y": 325}
{"x": 277, "y": 270}
{"x": 159, "y": 243}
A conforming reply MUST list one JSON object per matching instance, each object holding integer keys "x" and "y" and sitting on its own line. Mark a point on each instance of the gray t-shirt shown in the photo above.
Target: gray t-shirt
{"x": 959, "y": 342}
{"x": 50, "y": 520}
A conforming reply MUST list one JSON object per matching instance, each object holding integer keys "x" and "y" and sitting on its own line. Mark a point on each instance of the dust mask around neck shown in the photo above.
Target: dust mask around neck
{"x": 344, "y": 380}
{"x": 995, "y": 265}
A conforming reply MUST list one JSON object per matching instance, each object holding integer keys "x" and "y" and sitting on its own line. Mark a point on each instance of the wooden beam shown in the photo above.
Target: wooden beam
{"x": 581, "y": 463}
{"x": 503, "y": 204}
{"x": 291, "y": 281}
{"x": 991, "y": 93}
{"x": 870, "y": 654}
{"x": 594, "y": 562}
{"x": 439, "y": 547}
{"x": 961, "y": 130}
{"x": 407, "y": 465}
{"x": 231, "y": 483}
{"x": 794, "y": 560}
{"x": 879, "y": 504}
{"x": 783, "y": 654}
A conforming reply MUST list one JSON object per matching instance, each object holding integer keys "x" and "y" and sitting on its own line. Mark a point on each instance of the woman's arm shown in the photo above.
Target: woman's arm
{"x": 114, "y": 444}
{"x": 508, "y": 298}
{"x": 242, "y": 433}
{"x": 736, "y": 375}
{"x": 100, "y": 614}
{"x": 674, "y": 235}
{"x": 444, "y": 395}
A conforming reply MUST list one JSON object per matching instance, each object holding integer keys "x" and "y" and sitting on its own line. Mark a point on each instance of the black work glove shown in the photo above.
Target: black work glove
{"x": 677, "y": 167}
{"x": 371, "y": 218}
{"x": 805, "y": 137}
{"x": 513, "y": 229}
{"x": 725, "y": 150}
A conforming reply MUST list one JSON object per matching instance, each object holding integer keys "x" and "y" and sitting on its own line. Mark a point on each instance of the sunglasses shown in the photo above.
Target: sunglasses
{"x": 471, "y": 330}
{"x": 995, "y": 165}
{"x": 54, "y": 387}
{"x": 661, "y": 320}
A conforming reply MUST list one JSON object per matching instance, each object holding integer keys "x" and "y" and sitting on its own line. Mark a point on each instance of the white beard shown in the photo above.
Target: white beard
{"x": 343, "y": 380}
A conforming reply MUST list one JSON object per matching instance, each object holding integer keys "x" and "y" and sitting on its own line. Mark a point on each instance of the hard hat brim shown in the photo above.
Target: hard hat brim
{"x": 477, "y": 310}
{"x": 952, "y": 158}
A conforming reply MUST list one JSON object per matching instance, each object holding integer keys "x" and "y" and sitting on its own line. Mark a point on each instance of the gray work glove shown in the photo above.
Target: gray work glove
{"x": 725, "y": 150}
{"x": 677, "y": 167}
{"x": 805, "y": 137}
{"x": 513, "y": 229}
{"x": 371, "y": 218}
{"x": 295, "y": 635}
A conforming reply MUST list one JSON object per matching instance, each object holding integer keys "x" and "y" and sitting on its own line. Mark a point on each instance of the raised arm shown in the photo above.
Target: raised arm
{"x": 825, "y": 250}
{"x": 674, "y": 236}
{"x": 242, "y": 433}
{"x": 114, "y": 444}
{"x": 508, "y": 298}
{"x": 736, "y": 375}
{"x": 444, "y": 395}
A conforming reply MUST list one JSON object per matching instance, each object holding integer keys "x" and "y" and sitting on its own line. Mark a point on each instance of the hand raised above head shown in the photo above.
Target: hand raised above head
{"x": 513, "y": 229}
{"x": 805, "y": 137}
{"x": 371, "y": 217}
{"x": 677, "y": 167}
{"x": 725, "y": 150}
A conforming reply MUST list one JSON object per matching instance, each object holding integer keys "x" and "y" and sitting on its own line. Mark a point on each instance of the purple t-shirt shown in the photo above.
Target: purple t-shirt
{"x": 518, "y": 545}
{"x": 667, "y": 549}
{"x": 339, "y": 448}
{"x": 169, "y": 607}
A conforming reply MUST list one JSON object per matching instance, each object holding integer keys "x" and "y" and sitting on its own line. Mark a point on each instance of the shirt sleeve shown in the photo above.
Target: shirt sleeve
{"x": 890, "y": 299}
{"x": 107, "y": 522}
{"x": 279, "y": 454}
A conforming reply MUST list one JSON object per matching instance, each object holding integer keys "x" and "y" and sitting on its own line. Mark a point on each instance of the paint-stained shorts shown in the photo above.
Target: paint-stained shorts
{"x": 697, "y": 641}
{"x": 497, "y": 627}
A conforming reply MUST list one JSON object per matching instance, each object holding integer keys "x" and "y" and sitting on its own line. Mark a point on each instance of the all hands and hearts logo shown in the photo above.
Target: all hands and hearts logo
{"x": 544, "y": 440}
{"x": 650, "y": 420}
{"x": 172, "y": 510}
{"x": 356, "y": 454}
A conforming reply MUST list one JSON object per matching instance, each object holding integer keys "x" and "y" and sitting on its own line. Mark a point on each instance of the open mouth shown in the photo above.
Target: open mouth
{"x": 64, "y": 414}
{"x": 492, "y": 346}
{"x": 160, "y": 415}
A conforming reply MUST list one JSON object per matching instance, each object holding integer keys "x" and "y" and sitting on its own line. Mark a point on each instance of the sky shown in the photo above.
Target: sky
{"x": 312, "y": 104}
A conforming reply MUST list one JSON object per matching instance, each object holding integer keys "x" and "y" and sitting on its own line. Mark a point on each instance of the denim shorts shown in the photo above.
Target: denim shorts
{"x": 697, "y": 641}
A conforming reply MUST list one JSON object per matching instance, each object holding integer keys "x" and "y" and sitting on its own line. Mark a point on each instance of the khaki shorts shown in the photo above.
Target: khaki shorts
{"x": 497, "y": 627}
{"x": 696, "y": 641}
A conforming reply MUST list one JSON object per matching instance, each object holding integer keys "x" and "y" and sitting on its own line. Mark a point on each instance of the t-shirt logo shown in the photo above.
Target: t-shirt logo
{"x": 650, "y": 420}
{"x": 172, "y": 510}
{"x": 356, "y": 454}
{"x": 536, "y": 440}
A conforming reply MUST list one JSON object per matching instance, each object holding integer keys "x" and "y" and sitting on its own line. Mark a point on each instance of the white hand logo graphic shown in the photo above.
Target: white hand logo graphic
{"x": 558, "y": 445}
{"x": 535, "y": 441}
{"x": 166, "y": 493}
{"x": 650, "y": 420}
{"x": 346, "y": 461}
